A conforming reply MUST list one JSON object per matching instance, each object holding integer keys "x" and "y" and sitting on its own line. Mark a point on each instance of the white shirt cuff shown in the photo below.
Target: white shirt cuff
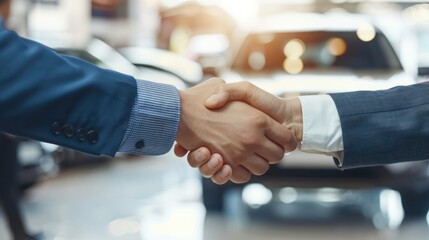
{"x": 321, "y": 126}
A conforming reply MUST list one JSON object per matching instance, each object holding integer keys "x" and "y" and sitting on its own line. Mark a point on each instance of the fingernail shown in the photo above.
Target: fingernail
{"x": 212, "y": 99}
{"x": 224, "y": 172}
{"x": 200, "y": 156}
{"x": 213, "y": 162}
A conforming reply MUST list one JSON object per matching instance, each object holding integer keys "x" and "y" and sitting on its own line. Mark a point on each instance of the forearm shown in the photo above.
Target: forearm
{"x": 381, "y": 127}
{"x": 40, "y": 88}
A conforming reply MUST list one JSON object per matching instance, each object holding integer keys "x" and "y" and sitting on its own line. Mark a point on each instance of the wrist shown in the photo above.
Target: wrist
{"x": 294, "y": 118}
{"x": 182, "y": 122}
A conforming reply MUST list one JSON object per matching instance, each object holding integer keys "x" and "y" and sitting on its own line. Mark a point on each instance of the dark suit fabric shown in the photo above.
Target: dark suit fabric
{"x": 39, "y": 88}
{"x": 388, "y": 126}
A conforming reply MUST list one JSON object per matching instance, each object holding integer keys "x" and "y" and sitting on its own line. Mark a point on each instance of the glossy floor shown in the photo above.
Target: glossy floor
{"x": 158, "y": 198}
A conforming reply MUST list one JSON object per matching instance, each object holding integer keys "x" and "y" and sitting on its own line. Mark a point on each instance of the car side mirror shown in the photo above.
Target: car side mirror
{"x": 423, "y": 71}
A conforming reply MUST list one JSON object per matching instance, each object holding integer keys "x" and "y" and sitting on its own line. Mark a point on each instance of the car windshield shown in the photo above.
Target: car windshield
{"x": 295, "y": 52}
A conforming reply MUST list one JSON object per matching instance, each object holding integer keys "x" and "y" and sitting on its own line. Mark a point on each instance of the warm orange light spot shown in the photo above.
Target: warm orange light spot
{"x": 337, "y": 46}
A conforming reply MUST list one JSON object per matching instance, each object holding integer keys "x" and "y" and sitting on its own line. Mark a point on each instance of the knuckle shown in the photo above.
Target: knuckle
{"x": 222, "y": 88}
{"x": 259, "y": 120}
{"x": 243, "y": 178}
{"x": 219, "y": 180}
{"x": 280, "y": 156}
{"x": 291, "y": 143}
{"x": 192, "y": 163}
{"x": 262, "y": 170}
{"x": 251, "y": 140}
{"x": 205, "y": 173}
{"x": 246, "y": 178}
{"x": 247, "y": 85}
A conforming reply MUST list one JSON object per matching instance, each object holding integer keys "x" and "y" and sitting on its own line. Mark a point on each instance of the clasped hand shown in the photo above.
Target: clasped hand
{"x": 235, "y": 130}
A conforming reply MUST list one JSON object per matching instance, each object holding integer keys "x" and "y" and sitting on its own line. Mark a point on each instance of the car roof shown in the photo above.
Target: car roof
{"x": 306, "y": 22}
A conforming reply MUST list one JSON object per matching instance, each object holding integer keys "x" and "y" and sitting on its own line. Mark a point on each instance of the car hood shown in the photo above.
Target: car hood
{"x": 319, "y": 82}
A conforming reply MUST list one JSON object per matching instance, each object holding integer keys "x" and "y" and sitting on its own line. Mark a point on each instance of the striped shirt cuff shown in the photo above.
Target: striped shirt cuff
{"x": 154, "y": 120}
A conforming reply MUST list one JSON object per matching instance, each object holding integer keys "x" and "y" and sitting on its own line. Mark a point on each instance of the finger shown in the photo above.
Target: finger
{"x": 198, "y": 157}
{"x": 249, "y": 93}
{"x": 222, "y": 176}
{"x": 179, "y": 150}
{"x": 281, "y": 135}
{"x": 240, "y": 174}
{"x": 212, "y": 166}
{"x": 270, "y": 151}
{"x": 256, "y": 165}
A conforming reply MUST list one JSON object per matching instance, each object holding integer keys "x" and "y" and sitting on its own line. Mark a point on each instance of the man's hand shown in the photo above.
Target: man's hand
{"x": 288, "y": 111}
{"x": 246, "y": 138}
{"x": 284, "y": 110}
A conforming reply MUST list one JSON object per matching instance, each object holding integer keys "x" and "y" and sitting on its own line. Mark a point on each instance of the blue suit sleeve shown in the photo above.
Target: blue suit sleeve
{"x": 381, "y": 127}
{"x": 69, "y": 102}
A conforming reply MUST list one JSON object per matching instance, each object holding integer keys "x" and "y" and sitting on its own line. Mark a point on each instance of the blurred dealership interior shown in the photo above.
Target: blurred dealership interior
{"x": 288, "y": 48}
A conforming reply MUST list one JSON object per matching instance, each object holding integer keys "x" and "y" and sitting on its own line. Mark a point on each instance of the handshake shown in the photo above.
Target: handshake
{"x": 235, "y": 130}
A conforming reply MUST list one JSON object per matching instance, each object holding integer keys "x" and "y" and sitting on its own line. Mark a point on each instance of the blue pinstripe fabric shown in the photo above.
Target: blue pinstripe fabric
{"x": 154, "y": 119}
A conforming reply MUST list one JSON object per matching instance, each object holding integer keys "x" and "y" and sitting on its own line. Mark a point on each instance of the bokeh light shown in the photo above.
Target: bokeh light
{"x": 294, "y": 49}
{"x": 366, "y": 32}
{"x": 256, "y": 60}
{"x": 337, "y": 46}
{"x": 293, "y": 66}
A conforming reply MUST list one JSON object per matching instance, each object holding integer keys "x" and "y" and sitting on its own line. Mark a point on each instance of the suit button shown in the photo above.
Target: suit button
{"x": 68, "y": 130}
{"x": 81, "y": 134}
{"x": 139, "y": 144}
{"x": 93, "y": 136}
{"x": 56, "y": 128}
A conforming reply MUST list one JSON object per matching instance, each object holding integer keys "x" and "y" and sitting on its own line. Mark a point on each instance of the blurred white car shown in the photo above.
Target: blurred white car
{"x": 307, "y": 54}
{"x": 103, "y": 55}
{"x": 315, "y": 53}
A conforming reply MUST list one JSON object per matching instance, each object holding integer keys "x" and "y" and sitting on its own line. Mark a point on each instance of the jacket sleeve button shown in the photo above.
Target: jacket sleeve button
{"x": 139, "y": 144}
{"x": 81, "y": 134}
{"x": 56, "y": 128}
{"x": 68, "y": 130}
{"x": 93, "y": 136}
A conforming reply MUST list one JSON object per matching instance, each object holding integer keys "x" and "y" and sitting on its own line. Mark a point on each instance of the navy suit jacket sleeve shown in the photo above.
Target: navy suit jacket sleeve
{"x": 60, "y": 99}
{"x": 381, "y": 127}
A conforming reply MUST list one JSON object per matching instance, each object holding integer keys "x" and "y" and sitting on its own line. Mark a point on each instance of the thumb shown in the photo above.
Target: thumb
{"x": 219, "y": 98}
{"x": 252, "y": 95}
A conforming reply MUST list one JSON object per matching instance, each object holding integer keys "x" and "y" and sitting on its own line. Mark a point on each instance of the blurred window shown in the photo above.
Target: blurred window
{"x": 266, "y": 52}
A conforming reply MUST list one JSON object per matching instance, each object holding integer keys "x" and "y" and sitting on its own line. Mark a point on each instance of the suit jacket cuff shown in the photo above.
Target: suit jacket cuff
{"x": 154, "y": 120}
